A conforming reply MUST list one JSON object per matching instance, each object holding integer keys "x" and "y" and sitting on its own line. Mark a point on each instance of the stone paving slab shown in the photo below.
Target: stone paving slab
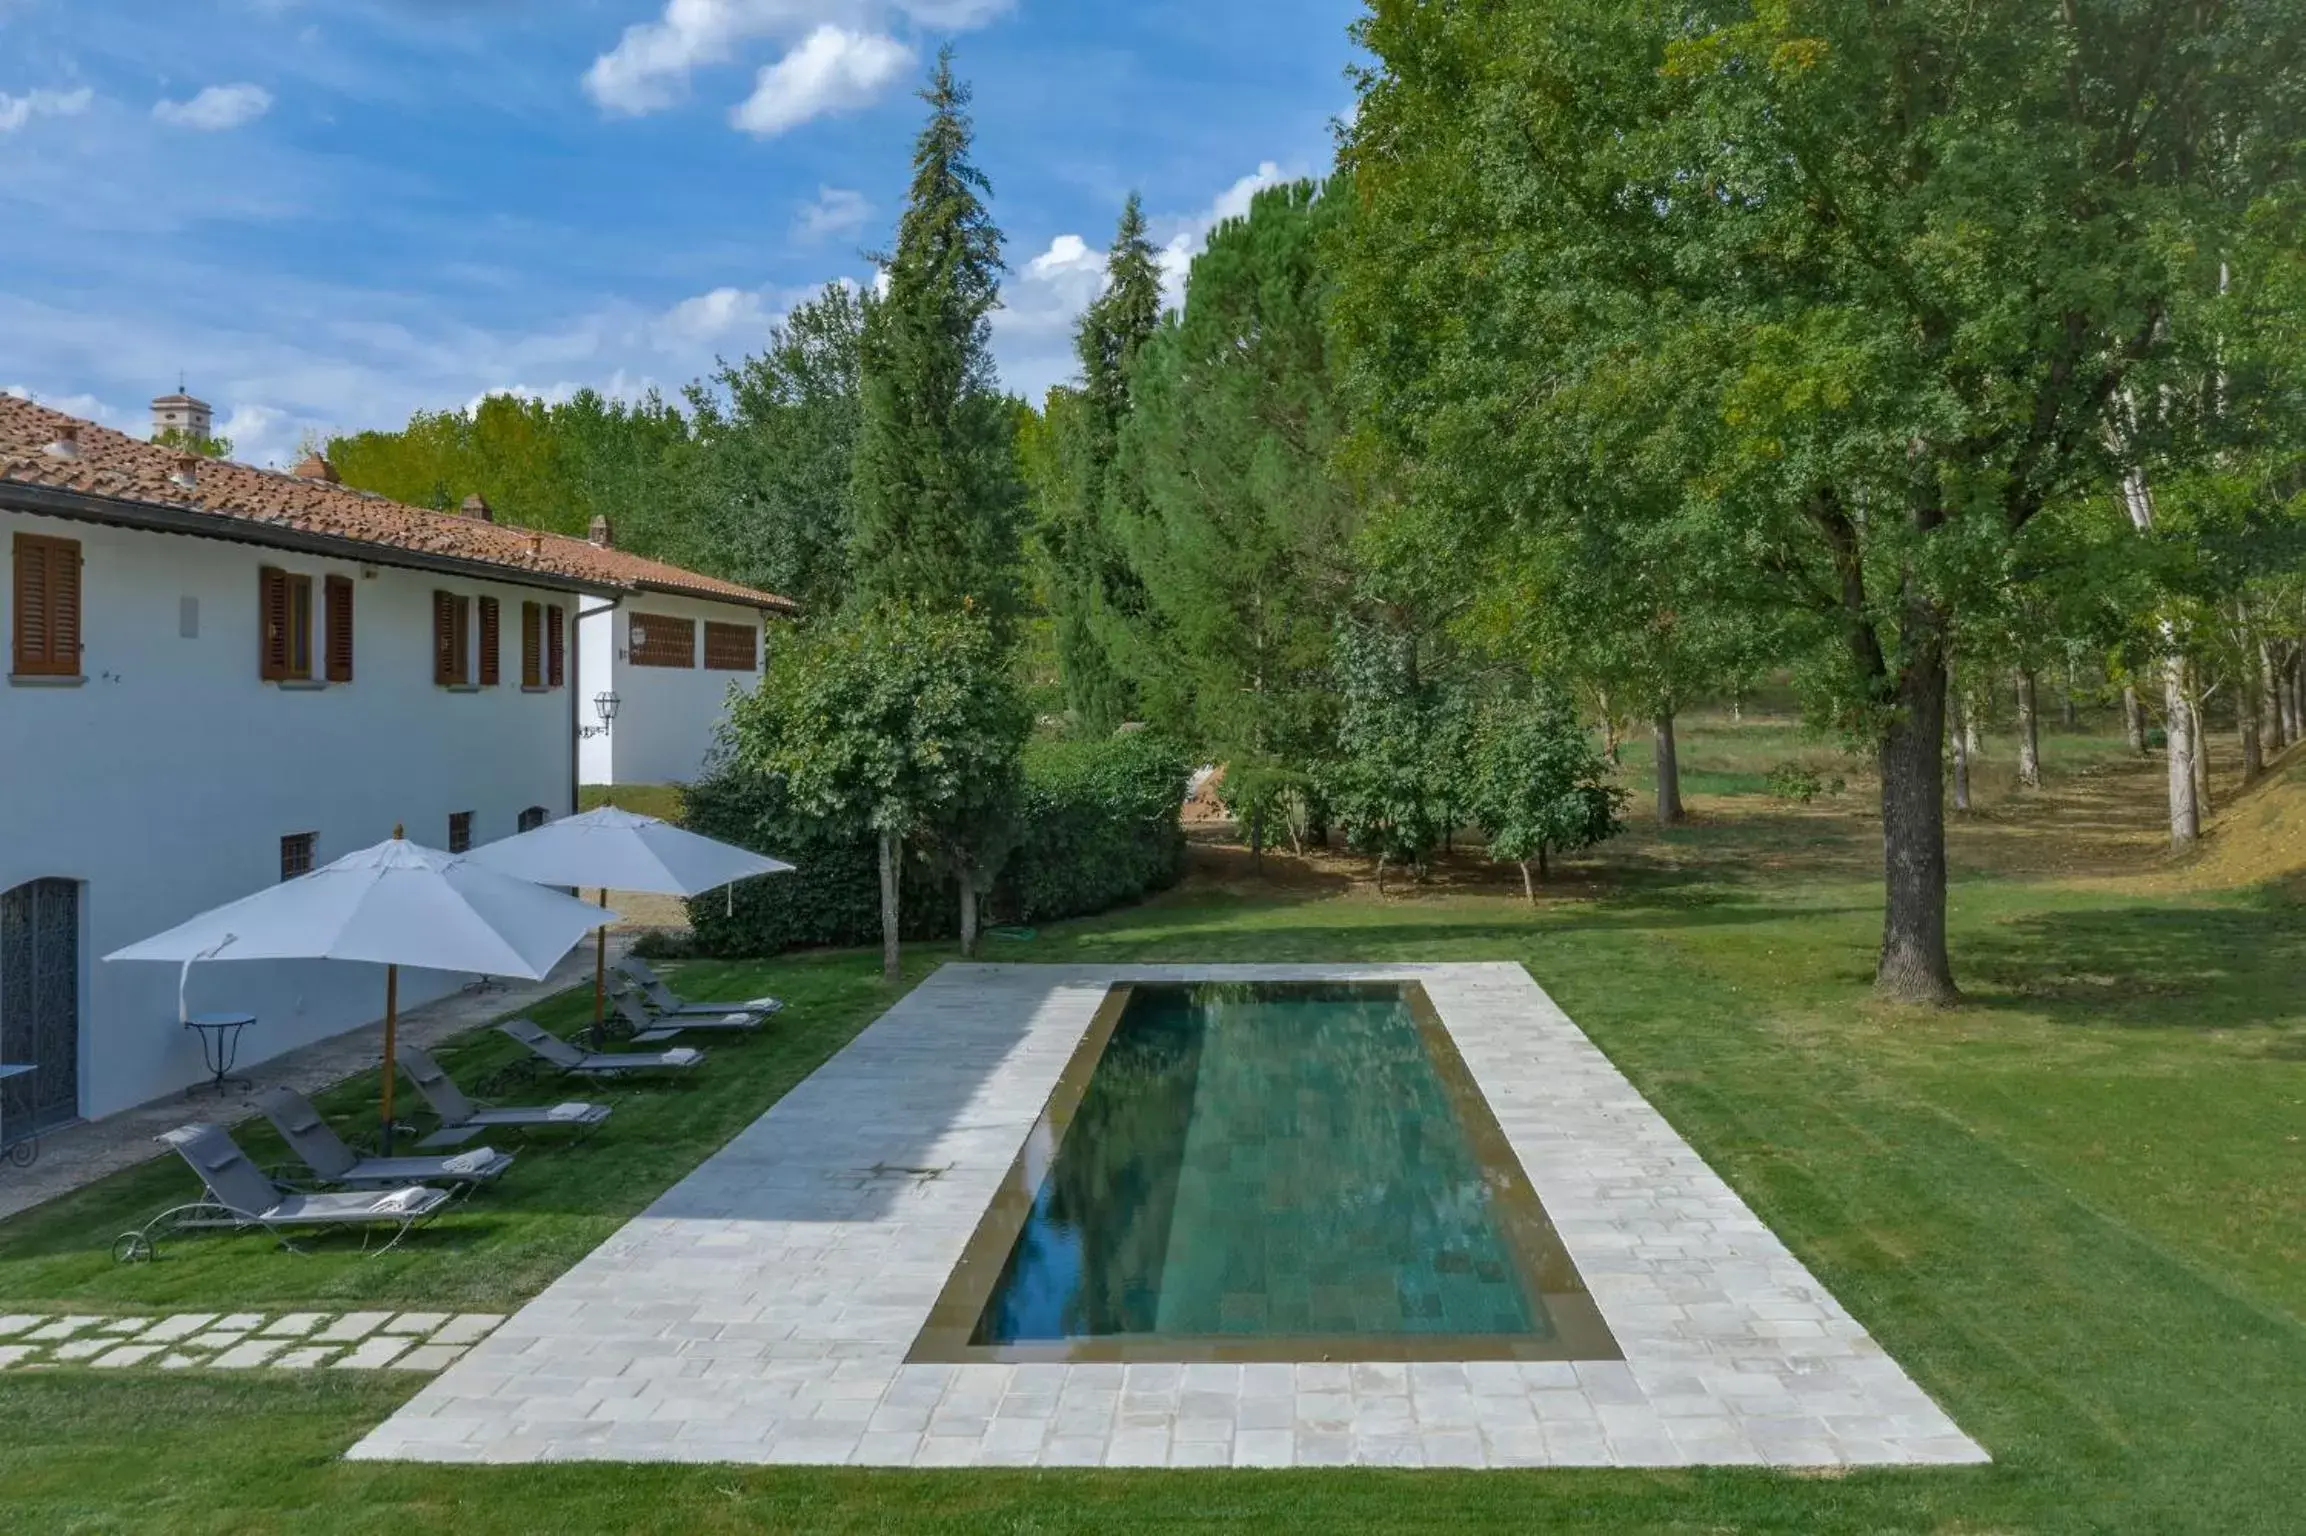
{"x": 412, "y": 1341}
{"x": 761, "y": 1310}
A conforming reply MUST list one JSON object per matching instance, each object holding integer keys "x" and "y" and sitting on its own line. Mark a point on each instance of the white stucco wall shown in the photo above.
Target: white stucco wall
{"x": 165, "y": 783}
{"x": 666, "y": 716}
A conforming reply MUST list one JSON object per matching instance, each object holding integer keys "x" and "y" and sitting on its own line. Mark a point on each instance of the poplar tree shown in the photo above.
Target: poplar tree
{"x": 936, "y": 490}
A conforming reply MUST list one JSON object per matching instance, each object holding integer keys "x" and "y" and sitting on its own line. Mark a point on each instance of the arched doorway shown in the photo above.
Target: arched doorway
{"x": 40, "y": 1002}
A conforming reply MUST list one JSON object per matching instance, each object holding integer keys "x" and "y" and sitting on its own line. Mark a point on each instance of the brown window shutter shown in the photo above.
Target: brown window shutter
{"x": 444, "y": 637}
{"x": 46, "y": 631}
{"x": 488, "y": 642}
{"x": 64, "y": 606}
{"x": 532, "y": 645}
{"x": 272, "y": 624}
{"x": 556, "y": 647}
{"x": 339, "y": 590}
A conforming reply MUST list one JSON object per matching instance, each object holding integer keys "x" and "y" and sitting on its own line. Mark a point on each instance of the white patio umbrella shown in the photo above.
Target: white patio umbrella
{"x": 392, "y": 905}
{"x": 620, "y": 851}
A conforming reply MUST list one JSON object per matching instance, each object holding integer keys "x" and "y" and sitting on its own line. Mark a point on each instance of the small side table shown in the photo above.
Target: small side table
{"x": 25, "y": 1150}
{"x": 220, "y": 1045}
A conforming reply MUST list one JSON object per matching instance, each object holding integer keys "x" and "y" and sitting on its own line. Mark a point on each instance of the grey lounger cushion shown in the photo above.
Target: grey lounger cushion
{"x": 666, "y": 1001}
{"x": 569, "y": 1058}
{"x": 238, "y": 1185}
{"x": 324, "y": 1152}
{"x": 456, "y": 1109}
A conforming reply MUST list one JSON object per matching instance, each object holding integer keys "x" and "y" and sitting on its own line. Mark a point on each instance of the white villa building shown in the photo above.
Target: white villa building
{"x": 221, "y": 676}
{"x": 668, "y": 661}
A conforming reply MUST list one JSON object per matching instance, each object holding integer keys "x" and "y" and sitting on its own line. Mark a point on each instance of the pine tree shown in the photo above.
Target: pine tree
{"x": 936, "y": 488}
{"x": 1092, "y": 594}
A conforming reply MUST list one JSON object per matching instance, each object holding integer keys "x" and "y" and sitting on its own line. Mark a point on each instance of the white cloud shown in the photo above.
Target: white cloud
{"x": 709, "y": 317}
{"x": 216, "y": 109}
{"x": 16, "y": 111}
{"x": 837, "y": 211}
{"x": 86, "y": 407}
{"x": 833, "y": 70}
{"x": 649, "y": 68}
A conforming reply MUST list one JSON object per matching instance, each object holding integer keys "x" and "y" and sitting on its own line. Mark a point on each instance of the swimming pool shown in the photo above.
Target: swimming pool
{"x": 1265, "y": 1171}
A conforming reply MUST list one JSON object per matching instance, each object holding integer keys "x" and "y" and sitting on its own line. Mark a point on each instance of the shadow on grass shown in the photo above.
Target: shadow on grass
{"x": 2167, "y": 965}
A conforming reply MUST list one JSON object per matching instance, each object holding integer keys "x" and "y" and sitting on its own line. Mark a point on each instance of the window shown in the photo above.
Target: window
{"x": 284, "y": 626}
{"x": 730, "y": 648}
{"x": 296, "y": 850}
{"x": 555, "y": 647}
{"x": 339, "y": 659}
{"x": 451, "y": 639}
{"x": 47, "y": 607}
{"x": 532, "y": 818}
{"x": 459, "y": 831}
{"x": 659, "y": 640}
{"x": 532, "y": 645}
{"x": 488, "y": 642}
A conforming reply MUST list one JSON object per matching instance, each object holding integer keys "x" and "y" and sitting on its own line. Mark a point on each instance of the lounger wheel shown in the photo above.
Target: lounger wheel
{"x": 25, "y": 1153}
{"x": 133, "y": 1248}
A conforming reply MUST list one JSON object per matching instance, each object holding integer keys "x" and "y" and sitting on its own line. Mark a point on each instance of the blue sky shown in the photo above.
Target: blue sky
{"x": 328, "y": 213}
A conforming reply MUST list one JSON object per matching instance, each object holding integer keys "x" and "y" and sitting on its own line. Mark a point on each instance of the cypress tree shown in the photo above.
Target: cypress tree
{"x": 936, "y": 487}
{"x": 1092, "y": 594}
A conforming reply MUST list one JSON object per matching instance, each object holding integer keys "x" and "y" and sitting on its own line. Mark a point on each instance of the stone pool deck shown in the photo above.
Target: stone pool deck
{"x": 761, "y": 1311}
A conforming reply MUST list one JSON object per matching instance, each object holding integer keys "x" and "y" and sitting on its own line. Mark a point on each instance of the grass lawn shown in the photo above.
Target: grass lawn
{"x": 2074, "y": 1208}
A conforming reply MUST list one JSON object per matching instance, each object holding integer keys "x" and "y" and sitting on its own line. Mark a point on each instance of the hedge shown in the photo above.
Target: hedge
{"x": 1098, "y": 828}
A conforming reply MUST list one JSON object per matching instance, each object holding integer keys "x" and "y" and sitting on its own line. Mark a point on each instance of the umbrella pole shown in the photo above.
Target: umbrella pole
{"x": 391, "y": 1066}
{"x": 600, "y": 973}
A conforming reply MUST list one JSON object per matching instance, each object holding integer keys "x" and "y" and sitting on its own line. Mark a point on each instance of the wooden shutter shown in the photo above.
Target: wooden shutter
{"x": 555, "y": 647}
{"x": 272, "y": 620}
{"x": 532, "y": 645}
{"x": 46, "y": 606}
{"x": 444, "y": 647}
{"x": 731, "y": 648}
{"x": 339, "y": 659}
{"x": 488, "y": 642}
{"x": 660, "y": 640}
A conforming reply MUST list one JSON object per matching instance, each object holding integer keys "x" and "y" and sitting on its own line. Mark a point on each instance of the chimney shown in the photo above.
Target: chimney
{"x": 67, "y": 444}
{"x": 315, "y": 467}
{"x": 600, "y": 534}
{"x": 187, "y": 471}
{"x": 476, "y": 506}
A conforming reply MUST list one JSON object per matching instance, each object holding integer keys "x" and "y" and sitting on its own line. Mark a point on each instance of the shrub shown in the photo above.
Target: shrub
{"x": 1798, "y": 782}
{"x": 1098, "y": 827}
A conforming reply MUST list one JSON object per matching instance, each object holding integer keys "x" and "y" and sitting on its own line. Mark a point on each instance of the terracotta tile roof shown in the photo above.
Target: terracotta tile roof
{"x": 123, "y": 468}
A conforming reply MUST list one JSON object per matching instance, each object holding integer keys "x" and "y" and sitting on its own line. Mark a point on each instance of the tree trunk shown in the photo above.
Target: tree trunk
{"x": 2246, "y": 723}
{"x": 2029, "y": 733}
{"x": 1738, "y": 708}
{"x": 967, "y": 880}
{"x": 2270, "y": 723}
{"x": 891, "y": 966}
{"x": 1543, "y": 873}
{"x": 2069, "y": 707}
{"x": 1528, "y": 886}
{"x": 2178, "y": 735}
{"x": 1381, "y": 874}
{"x": 1669, "y": 811}
{"x": 1257, "y": 837}
{"x": 1914, "y": 964}
{"x": 2201, "y": 756}
{"x": 1961, "y": 740}
{"x": 2290, "y": 692}
{"x": 2133, "y": 720}
{"x": 1971, "y": 741}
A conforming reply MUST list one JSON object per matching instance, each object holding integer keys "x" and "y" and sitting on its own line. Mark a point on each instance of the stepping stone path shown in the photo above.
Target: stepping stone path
{"x": 424, "y": 1342}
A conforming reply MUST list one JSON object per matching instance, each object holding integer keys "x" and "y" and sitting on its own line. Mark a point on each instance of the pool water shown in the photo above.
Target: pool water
{"x": 1257, "y": 1163}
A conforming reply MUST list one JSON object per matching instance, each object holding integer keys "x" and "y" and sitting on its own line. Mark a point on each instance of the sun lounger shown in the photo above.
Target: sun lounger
{"x": 558, "y": 1052}
{"x": 647, "y": 1029}
{"x": 462, "y": 1118}
{"x": 236, "y": 1193}
{"x": 670, "y": 1005}
{"x": 325, "y": 1153}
